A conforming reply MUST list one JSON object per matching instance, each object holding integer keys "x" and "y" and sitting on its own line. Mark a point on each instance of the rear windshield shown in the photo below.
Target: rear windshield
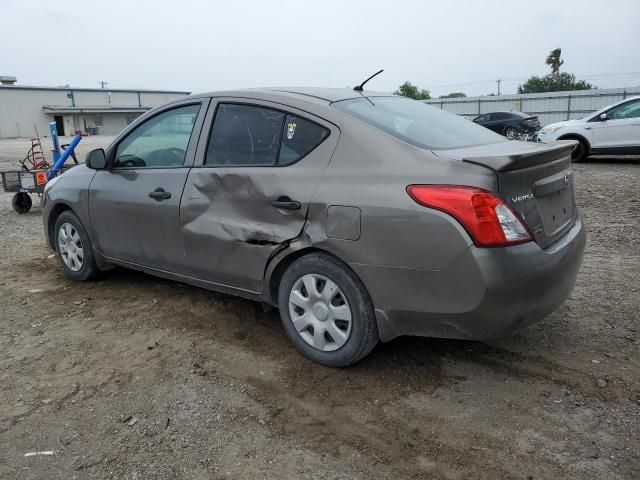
{"x": 418, "y": 123}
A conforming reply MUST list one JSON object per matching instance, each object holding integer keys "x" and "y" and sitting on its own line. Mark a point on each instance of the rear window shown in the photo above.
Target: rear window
{"x": 418, "y": 123}
{"x": 244, "y": 135}
{"x": 248, "y": 135}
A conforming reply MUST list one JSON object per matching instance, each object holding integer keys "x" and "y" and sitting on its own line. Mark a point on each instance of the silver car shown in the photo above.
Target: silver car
{"x": 362, "y": 216}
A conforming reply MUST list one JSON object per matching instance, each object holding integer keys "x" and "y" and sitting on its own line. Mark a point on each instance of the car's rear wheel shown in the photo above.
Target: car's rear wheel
{"x": 580, "y": 152}
{"x": 511, "y": 133}
{"x": 74, "y": 247}
{"x": 326, "y": 311}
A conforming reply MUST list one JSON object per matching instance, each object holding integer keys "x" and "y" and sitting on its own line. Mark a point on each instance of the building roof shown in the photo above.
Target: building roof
{"x": 80, "y": 89}
{"x": 60, "y": 109}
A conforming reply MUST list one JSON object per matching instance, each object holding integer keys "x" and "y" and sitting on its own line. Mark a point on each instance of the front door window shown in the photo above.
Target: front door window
{"x": 159, "y": 142}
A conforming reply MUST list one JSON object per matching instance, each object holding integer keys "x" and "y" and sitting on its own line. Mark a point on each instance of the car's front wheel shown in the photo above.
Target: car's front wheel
{"x": 580, "y": 152}
{"x": 74, "y": 247}
{"x": 326, "y": 311}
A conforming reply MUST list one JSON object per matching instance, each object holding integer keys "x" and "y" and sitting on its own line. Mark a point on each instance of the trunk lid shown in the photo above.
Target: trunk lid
{"x": 535, "y": 179}
{"x": 532, "y": 122}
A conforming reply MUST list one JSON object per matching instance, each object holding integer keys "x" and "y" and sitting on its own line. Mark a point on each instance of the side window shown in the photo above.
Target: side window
{"x": 160, "y": 141}
{"x": 244, "y": 135}
{"x": 500, "y": 116}
{"x": 482, "y": 119}
{"x": 299, "y": 137}
{"x": 627, "y": 110}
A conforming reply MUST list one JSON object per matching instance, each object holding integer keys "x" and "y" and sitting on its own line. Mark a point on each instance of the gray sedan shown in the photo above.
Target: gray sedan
{"x": 362, "y": 216}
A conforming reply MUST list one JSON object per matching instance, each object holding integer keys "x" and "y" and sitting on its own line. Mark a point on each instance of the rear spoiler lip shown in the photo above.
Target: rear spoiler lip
{"x": 546, "y": 153}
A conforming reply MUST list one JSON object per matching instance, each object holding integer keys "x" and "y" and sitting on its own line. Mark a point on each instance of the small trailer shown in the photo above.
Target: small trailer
{"x": 36, "y": 171}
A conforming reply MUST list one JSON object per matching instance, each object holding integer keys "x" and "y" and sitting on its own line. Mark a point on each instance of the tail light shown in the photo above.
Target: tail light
{"x": 489, "y": 221}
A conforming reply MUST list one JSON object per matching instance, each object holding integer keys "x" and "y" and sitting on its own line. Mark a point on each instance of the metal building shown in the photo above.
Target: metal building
{"x": 23, "y": 109}
{"x": 548, "y": 107}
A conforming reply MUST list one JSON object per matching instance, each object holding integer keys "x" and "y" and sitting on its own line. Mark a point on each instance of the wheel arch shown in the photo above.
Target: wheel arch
{"x": 56, "y": 211}
{"x": 279, "y": 264}
{"x": 576, "y": 136}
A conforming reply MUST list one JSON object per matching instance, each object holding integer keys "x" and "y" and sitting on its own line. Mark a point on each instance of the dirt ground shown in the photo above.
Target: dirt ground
{"x": 134, "y": 377}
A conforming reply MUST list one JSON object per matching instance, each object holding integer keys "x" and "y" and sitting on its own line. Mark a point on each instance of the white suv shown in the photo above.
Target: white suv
{"x": 612, "y": 130}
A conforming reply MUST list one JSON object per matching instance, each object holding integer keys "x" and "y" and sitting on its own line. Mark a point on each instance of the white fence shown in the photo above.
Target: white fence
{"x": 548, "y": 107}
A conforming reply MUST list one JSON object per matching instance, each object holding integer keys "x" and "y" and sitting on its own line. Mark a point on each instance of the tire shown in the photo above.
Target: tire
{"x": 76, "y": 253}
{"x": 21, "y": 202}
{"x": 581, "y": 152}
{"x": 511, "y": 133}
{"x": 312, "y": 322}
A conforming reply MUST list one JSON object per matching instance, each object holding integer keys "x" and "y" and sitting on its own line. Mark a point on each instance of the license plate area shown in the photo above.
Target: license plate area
{"x": 557, "y": 211}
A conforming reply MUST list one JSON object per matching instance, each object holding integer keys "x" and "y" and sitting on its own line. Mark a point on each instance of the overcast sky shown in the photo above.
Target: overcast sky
{"x": 443, "y": 46}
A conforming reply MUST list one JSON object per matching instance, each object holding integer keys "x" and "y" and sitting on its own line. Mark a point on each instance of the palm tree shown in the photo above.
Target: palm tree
{"x": 553, "y": 60}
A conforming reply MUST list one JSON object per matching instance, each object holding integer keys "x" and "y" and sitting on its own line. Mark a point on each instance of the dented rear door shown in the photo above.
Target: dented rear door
{"x": 237, "y": 209}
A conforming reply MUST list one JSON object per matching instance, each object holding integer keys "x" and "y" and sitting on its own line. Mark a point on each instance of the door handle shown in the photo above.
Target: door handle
{"x": 285, "y": 203}
{"x": 159, "y": 194}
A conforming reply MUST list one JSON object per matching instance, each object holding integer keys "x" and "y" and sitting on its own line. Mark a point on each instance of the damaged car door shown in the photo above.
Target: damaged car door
{"x": 257, "y": 167}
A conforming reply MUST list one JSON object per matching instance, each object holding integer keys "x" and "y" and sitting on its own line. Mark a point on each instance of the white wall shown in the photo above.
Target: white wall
{"x": 548, "y": 107}
{"x": 21, "y": 108}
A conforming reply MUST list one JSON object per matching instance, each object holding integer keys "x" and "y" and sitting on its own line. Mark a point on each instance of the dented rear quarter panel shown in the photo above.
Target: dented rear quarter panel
{"x": 370, "y": 171}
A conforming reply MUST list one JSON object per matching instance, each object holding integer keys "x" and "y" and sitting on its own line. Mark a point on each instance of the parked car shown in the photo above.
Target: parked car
{"x": 612, "y": 130}
{"x": 509, "y": 124}
{"x": 362, "y": 216}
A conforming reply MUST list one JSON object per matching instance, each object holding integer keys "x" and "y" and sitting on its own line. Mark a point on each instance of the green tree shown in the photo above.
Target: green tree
{"x": 554, "y": 82}
{"x": 453, "y": 95}
{"x": 407, "y": 89}
{"x": 553, "y": 60}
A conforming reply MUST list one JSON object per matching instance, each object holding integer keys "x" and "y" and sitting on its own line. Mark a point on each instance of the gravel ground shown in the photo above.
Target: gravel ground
{"x": 132, "y": 377}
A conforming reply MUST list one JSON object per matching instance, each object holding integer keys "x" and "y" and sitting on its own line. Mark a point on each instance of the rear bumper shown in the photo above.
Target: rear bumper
{"x": 485, "y": 293}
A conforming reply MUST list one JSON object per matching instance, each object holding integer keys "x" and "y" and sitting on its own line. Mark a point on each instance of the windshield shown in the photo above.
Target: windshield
{"x": 418, "y": 123}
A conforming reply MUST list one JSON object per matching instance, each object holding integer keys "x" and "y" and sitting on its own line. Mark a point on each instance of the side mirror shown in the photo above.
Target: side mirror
{"x": 603, "y": 117}
{"x": 96, "y": 159}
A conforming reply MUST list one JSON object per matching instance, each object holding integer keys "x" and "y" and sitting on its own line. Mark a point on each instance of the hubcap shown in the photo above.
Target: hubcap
{"x": 70, "y": 247}
{"x": 320, "y": 312}
{"x": 511, "y": 133}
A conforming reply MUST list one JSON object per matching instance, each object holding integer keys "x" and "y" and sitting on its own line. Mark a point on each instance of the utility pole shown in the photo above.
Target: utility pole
{"x": 104, "y": 84}
{"x": 498, "y": 81}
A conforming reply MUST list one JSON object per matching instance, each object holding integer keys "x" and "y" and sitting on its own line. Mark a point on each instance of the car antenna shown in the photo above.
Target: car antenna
{"x": 359, "y": 88}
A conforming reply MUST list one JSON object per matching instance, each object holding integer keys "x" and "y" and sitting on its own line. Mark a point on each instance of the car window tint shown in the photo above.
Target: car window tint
{"x": 627, "y": 110}
{"x": 418, "y": 123}
{"x": 299, "y": 137}
{"x": 483, "y": 118}
{"x": 244, "y": 135}
{"x": 161, "y": 141}
{"x": 500, "y": 116}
